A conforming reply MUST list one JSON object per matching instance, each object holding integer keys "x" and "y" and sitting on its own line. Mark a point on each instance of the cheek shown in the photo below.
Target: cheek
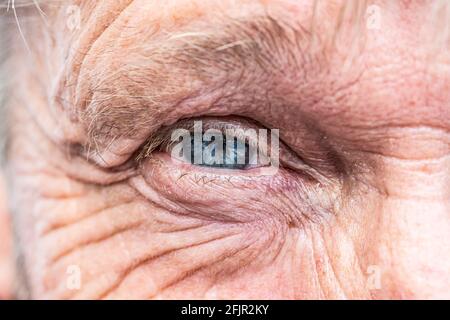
{"x": 413, "y": 246}
{"x": 111, "y": 242}
{"x": 120, "y": 244}
{"x": 5, "y": 247}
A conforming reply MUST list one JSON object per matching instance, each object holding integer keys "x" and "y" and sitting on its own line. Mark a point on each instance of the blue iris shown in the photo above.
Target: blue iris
{"x": 230, "y": 154}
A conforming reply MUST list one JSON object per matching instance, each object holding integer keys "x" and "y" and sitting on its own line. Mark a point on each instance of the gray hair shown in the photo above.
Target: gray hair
{"x": 4, "y": 48}
{"x": 9, "y": 19}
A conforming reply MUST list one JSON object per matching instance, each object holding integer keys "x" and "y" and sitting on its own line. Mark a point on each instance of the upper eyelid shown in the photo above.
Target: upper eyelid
{"x": 162, "y": 140}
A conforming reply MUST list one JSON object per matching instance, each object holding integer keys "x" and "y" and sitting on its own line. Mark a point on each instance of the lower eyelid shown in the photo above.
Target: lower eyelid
{"x": 233, "y": 199}
{"x": 161, "y": 171}
{"x": 186, "y": 168}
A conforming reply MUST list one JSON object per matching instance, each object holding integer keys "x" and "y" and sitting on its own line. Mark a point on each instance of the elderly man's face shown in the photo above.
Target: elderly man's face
{"x": 358, "y": 208}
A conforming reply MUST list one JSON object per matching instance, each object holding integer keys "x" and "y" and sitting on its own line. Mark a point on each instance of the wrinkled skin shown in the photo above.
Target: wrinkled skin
{"x": 372, "y": 221}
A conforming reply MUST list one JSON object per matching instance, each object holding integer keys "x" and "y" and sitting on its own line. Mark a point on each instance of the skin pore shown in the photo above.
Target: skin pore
{"x": 359, "y": 208}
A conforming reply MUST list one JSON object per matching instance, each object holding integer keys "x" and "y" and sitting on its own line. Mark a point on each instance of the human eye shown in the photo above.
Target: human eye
{"x": 228, "y": 144}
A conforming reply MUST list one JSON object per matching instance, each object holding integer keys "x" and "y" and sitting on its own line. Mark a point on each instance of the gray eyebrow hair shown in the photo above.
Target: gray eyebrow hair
{"x": 225, "y": 55}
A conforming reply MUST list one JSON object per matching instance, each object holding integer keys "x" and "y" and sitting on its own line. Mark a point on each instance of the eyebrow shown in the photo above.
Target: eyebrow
{"x": 157, "y": 76}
